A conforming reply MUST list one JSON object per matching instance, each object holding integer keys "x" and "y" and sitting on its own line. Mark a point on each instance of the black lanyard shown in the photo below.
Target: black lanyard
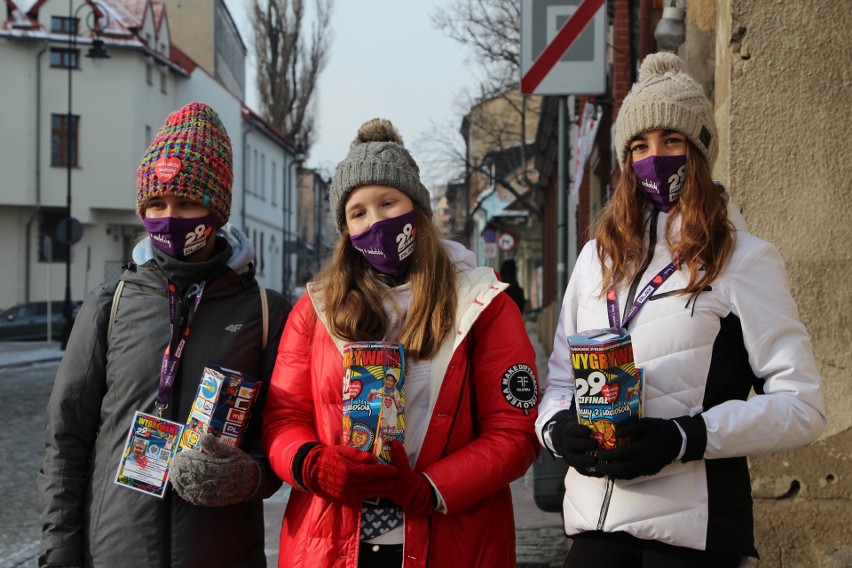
{"x": 174, "y": 353}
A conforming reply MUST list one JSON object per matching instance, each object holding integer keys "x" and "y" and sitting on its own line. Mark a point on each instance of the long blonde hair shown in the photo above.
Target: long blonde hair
{"x": 353, "y": 296}
{"x": 705, "y": 240}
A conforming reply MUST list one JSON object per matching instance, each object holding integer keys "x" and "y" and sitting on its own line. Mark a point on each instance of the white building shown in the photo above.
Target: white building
{"x": 116, "y": 107}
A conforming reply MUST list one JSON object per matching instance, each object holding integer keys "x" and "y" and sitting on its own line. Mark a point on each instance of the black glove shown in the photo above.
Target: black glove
{"x": 574, "y": 443}
{"x": 654, "y": 443}
{"x": 218, "y": 475}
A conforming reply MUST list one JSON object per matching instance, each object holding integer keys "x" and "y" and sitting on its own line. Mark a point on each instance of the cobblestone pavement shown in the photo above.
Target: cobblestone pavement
{"x": 25, "y": 394}
{"x": 26, "y": 377}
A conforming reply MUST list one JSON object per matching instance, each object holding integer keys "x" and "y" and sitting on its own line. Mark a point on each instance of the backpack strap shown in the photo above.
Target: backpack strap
{"x": 264, "y": 305}
{"x": 114, "y": 310}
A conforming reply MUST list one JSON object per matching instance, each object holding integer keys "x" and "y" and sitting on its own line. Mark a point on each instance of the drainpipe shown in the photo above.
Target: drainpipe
{"x": 646, "y": 35}
{"x": 28, "y": 239}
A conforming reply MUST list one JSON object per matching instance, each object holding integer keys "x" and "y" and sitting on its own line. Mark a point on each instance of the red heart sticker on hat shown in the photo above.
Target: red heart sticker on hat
{"x": 167, "y": 168}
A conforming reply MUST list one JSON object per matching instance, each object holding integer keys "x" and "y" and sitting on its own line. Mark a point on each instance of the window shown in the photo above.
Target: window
{"x": 256, "y": 176}
{"x": 149, "y": 135}
{"x": 263, "y": 176}
{"x": 260, "y": 252}
{"x": 64, "y": 58}
{"x": 149, "y": 71}
{"x": 247, "y": 173}
{"x": 274, "y": 182}
{"x": 63, "y": 25}
{"x": 63, "y": 139}
{"x": 163, "y": 77}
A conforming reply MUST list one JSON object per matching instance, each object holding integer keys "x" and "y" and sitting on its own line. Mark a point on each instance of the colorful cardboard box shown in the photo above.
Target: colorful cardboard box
{"x": 608, "y": 384}
{"x": 222, "y": 407}
{"x": 373, "y": 396}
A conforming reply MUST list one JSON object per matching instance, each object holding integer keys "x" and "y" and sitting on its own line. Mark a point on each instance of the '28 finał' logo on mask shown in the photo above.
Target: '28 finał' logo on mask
{"x": 405, "y": 241}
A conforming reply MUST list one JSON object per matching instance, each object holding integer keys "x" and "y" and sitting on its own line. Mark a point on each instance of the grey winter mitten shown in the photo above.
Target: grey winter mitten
{"x": 216, "y": 476}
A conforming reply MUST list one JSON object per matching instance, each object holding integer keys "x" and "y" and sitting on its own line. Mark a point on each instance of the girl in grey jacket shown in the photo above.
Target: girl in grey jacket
{"x": 188, "y": 301}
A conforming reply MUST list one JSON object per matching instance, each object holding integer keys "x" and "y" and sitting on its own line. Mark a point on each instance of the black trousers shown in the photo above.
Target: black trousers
{"x": 379, "y": 555}
{"x": 619, "y": 550}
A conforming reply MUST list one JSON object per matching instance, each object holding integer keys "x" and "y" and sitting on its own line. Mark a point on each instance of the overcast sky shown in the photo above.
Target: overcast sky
{"x": 386, "y": 59}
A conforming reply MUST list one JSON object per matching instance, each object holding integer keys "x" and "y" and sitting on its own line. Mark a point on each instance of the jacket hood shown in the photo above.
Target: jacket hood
{"x": 242, "y": 249}
{"x": 462, "y": 259}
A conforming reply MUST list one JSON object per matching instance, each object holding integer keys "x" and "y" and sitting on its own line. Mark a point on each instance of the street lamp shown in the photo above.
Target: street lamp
{"x": 670, "y": 31}
{"x": 298, "y": 158}
{"x": 70, "y": 226}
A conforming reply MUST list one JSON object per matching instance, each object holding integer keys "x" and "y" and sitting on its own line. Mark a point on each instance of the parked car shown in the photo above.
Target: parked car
{"x": 29, "y": 321}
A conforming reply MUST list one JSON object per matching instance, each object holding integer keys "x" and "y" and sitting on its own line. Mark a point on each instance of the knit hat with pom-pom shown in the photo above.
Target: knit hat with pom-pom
{"x": 377, "y": 157}
{"x": 189, "y": 157}
{"x": 665, "y": 97}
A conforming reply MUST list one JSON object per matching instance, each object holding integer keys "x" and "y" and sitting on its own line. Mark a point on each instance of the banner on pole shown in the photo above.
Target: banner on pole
{"x": 589, "y": 123}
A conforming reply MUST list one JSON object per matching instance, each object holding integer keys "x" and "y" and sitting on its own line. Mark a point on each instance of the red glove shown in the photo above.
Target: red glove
{"x": 344, "y": 473}
{"x": 410, "y": 490}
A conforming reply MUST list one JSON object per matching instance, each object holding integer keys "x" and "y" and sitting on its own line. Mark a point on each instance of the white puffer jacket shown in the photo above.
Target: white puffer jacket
{"x": 702, "y": 358}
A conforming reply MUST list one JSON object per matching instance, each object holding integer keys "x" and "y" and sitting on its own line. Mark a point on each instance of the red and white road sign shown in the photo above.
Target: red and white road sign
{"x": 506, "y": 241}
{"x": 563, "y": 47}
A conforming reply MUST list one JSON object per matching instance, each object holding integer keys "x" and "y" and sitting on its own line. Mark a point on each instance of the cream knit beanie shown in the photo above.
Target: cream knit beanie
{"x": 665, "y": 97}
{"x": 377, "y": 157}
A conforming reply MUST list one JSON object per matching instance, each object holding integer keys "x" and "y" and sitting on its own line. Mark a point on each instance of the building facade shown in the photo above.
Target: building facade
{"x": 73, "y": 128}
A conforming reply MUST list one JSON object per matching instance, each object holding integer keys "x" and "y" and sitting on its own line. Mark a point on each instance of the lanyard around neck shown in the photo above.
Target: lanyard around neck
{"x": 647, "y": 290}
{"x": 174, "y": 353}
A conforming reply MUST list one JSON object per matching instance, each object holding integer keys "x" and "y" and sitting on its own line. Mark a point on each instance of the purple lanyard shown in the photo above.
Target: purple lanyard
{"x": 171, "y": 361}
{"x": 650, "y": 288}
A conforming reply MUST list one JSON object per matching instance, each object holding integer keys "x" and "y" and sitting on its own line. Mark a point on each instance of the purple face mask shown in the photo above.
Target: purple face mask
{"x": 661, "y": 178}
{"x": 180, "y": 237}
{"x": 389, "y": 245}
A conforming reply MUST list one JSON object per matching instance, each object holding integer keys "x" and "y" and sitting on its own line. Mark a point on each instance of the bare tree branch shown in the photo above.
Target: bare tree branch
{"x": 498, "y": 122}
{"x": 288, "y": 67}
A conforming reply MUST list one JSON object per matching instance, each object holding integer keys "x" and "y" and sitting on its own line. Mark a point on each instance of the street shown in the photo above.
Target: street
{"x": 540, "y": 542}
{"x": 26, "y": 391}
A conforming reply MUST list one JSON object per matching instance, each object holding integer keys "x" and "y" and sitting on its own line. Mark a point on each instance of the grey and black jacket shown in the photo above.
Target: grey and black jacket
{"x": 87, "y": 519}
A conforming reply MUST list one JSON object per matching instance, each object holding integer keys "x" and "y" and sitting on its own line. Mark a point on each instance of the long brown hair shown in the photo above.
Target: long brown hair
{"x": 353, "y": 295}
{"x": 705, "y": 239}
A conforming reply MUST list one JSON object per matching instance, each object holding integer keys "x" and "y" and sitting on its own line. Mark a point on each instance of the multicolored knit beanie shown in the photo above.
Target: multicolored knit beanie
{"x": 189, "y": 157}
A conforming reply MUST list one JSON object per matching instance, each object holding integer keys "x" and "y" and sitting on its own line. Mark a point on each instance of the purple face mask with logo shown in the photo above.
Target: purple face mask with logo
{"x": 661, "y": 178}
{"x": 388, "y": 245}
{"x": 180, "y": 237}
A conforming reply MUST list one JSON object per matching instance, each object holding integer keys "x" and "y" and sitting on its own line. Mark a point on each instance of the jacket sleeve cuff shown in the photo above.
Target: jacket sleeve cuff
{"x": 696, "y": 436}
{"x": 567, "y": 414}
{"x": 298, "y": 461}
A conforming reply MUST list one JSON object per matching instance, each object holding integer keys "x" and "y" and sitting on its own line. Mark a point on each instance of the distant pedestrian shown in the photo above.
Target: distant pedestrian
{"x": 189, "y": 300}
{"x": 509, "y": 275}
{"x": 469, "y": 386}
{"x": 728, "y": 367}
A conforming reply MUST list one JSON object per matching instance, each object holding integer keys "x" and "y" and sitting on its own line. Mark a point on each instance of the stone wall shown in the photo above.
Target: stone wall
{"x": 782, "y": 88}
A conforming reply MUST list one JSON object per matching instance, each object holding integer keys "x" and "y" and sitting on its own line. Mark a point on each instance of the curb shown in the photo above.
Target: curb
{"x": 15, "y": 354}
{"x": 29, "y": 362}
